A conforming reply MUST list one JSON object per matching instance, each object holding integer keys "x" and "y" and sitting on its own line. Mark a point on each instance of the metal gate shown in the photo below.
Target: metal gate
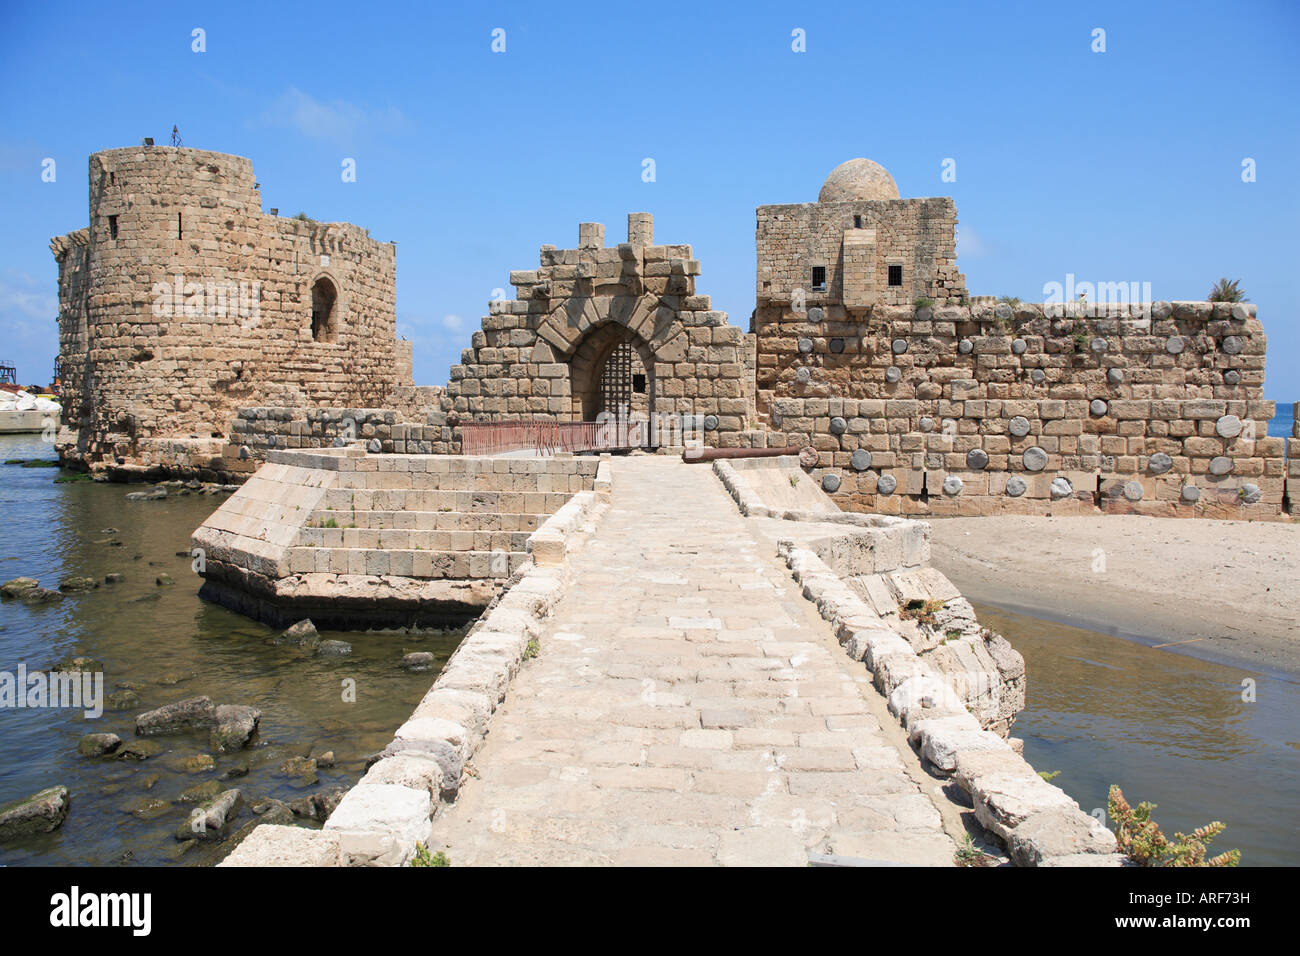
{"x": 616, "y": 382}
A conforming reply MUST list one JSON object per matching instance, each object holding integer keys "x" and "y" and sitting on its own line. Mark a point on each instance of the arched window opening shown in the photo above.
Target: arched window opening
{"x": 323, "y": 321}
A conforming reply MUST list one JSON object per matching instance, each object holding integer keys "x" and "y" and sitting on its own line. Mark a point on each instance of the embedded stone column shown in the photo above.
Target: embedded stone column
{"x": 640, "y": 229}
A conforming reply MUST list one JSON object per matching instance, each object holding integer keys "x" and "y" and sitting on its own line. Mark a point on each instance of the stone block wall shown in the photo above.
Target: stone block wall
{"x": 540, "y": 355}
{"x": 182, "y": 301}
{"x": 856, "y": 243}
{"x": 1014, "y": 408}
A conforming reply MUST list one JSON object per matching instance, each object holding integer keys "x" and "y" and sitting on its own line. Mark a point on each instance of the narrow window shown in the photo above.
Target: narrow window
{"x": 895, "y": 275}
{"x": 638, "y": 384}
{"x": 179, "y": 231}
{"x": 323, "y": 295}
{"x": 857, "y": 222}
{"x": 112, "y": 227}
{"x": 819, "y": 278}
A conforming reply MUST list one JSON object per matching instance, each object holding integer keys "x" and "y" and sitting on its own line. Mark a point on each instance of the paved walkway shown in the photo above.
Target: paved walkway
{"x": 689, "y": 707}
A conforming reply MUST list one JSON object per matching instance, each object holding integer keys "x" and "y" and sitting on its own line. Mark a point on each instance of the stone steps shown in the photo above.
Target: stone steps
{"x": 396, "y": 499}
{"x": 411, "y": 563}
{"x": 408, "y": 539}
{"x": 427, "y": 520}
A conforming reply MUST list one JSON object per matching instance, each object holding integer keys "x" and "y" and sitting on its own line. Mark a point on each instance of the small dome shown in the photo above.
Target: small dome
{"x": 858, "y": 180}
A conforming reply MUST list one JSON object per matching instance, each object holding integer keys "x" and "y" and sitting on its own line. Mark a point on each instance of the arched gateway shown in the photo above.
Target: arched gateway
{"x": 607, "y": 330}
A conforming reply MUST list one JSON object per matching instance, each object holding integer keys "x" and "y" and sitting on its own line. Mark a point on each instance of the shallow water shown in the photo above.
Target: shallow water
{"x": 149, "y": 636}
{"x": 1167, "y": 728}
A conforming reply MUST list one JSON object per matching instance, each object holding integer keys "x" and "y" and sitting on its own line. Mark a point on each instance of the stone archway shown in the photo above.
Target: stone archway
{"x": 612, "y": 371}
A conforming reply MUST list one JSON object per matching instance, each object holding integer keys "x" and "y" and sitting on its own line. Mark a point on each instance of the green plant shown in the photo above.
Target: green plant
{"x": 1049, "y": 775}
{"x": 923, "y": 302}
{"x": 1140, "y": 839}
{"x": 1081, "y": 341}
{"x": 920, "y": 611}
{"x": 1228, "y": 290}
{"x": 970, "y": 855}
{"x": 424, "y": 858}
{"x": 794, "y": 480}
{"x": 532, "y": 649}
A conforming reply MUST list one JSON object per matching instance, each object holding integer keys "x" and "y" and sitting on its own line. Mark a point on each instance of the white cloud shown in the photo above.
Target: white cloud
{"x": 453, "y": 323}
{"x": 338, "y": 121}
{"x": 970, "y": 244}
{"x": 28, "y": 296}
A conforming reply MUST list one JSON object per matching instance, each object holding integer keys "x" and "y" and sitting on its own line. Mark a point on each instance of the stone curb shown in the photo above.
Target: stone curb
{"x": 1038, "y": 822}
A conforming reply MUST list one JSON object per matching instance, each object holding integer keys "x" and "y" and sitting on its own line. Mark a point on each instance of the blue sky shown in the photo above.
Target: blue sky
{"x": 1116, "y": 166}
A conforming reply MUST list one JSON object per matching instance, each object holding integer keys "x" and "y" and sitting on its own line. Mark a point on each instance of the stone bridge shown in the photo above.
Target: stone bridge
{"x": 711, "y": 666}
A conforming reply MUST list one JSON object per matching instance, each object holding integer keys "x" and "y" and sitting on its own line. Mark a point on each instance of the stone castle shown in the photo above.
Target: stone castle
{"x": 197, "y": 333}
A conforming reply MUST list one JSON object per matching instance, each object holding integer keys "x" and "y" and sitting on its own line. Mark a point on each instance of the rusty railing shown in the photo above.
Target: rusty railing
{"x": 547, "y": 438}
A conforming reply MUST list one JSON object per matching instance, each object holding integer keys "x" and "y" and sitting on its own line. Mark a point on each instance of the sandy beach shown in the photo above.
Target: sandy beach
{"x": 1224, "y": 590}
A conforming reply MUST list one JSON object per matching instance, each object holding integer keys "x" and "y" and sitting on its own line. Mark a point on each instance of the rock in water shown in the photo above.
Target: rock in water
{"x": 299, "y": 767}
{"x": 334, "y": 649}
{"x": 97, "y": 745}
{"x": 200, "y": 792}
{"x": 210, "y": 821}
{"x": 123, "y": 700}
{"x": 189, "y": 714}
{"x": 39, "y": 813}
{"x": 78, "y": 584}
{"x": 137, "y": 750}
{"x": 157, "y": 494}
{"x": 418, "y": 661}
{"x": 40, "y": 596}
{"x": 318, "y": 806}
{"x": 233, "y": 725}
{"x": 14, "y": 588}
{"x": 302, "y": 634}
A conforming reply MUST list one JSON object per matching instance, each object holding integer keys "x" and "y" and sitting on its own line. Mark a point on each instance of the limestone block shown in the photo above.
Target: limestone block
{"x": 276, "y": 845}
{"x": 1003, "y": 801}
{"x": 379, "y": 824}
{"x": 1057, "y": 833}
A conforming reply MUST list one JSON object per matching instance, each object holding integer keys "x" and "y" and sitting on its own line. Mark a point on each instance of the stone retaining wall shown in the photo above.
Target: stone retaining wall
{"x": 381, "y": 820}
{"x": 348, "y": 538}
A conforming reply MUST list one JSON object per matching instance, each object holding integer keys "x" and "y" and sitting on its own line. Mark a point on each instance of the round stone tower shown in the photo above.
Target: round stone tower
{"x": 182, "y": 302}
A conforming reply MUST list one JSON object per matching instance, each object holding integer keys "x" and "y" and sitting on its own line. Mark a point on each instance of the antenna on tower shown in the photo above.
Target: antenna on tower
{"x": 176, "y": 136}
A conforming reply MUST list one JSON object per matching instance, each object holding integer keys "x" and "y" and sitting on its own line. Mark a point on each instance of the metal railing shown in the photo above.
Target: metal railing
{"x": 547, "y": 438}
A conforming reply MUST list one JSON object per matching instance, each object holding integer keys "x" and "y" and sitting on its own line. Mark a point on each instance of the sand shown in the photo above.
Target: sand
{"x": 1222, "y": 590}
